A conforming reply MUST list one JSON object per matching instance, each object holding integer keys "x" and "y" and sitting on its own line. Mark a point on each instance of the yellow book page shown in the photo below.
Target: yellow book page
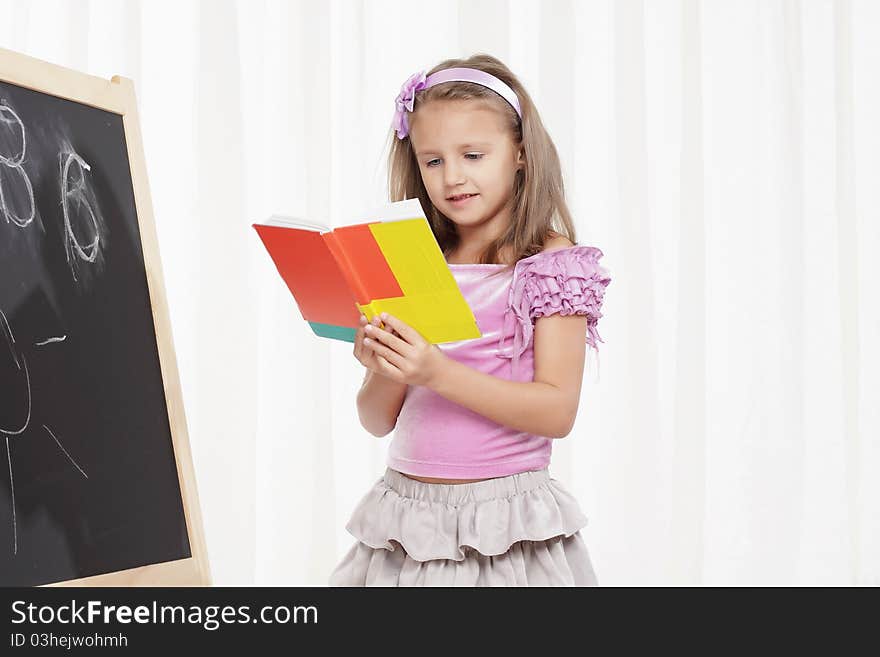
{"x": 432, "y": 302}
{"x": 413, "y": 255}
{"x": 443, "y": 317}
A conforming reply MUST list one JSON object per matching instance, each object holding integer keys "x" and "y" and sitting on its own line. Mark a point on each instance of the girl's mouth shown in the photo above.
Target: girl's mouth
{"x": 461, "y": 199}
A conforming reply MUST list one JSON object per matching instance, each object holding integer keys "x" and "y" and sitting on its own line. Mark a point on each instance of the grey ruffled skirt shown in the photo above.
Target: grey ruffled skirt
{"x": 519, "y": 530}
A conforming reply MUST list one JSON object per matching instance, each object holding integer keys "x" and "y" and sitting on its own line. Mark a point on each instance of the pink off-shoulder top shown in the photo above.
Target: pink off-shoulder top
{"x": 435, "y": 437}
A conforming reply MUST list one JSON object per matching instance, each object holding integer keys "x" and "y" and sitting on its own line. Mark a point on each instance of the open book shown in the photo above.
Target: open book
{"x": 389, "y": 261}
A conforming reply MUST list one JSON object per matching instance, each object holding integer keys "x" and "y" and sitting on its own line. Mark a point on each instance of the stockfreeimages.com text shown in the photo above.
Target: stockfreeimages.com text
{"x": 210, "y": 617}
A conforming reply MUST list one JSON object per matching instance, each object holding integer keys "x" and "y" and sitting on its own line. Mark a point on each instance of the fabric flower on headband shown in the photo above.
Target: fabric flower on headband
{"x": 405, "y": 101}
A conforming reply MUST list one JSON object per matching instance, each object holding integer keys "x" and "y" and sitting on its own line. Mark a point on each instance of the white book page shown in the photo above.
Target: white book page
{"x": 294, "y": 222}
{"x": 397, "y": 211}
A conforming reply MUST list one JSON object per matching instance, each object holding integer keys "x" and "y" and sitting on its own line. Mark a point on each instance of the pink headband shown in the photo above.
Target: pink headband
{"x": 417, "y": 81}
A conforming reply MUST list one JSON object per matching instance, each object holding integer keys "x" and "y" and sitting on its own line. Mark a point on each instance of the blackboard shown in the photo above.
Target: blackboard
{"x": 90, "y": 482}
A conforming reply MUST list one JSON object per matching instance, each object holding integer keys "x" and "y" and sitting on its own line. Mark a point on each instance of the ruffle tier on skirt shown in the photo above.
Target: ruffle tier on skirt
{"x": 519, "y": 530}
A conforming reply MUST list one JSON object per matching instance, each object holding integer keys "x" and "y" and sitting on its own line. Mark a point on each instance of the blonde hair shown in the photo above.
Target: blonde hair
{"x": 538, "y": 207}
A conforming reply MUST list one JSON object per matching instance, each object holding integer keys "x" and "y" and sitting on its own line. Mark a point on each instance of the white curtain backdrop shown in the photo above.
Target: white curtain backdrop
{"x": 724, "y": 155}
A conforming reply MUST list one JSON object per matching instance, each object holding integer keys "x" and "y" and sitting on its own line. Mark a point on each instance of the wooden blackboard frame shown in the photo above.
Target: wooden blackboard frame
{"x": 117, "y": 95}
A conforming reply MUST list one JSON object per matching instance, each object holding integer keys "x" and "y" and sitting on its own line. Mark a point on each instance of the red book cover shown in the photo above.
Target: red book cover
{"x": 311, "y": 273}
{"x": 364, "y": 257}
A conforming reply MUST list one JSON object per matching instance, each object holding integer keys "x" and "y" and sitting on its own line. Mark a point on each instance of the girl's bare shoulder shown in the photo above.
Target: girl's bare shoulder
{"x": 556, "y": 241}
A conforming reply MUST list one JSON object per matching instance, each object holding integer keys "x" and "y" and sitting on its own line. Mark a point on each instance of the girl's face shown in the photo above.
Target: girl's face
{"x": 468, "y": 161}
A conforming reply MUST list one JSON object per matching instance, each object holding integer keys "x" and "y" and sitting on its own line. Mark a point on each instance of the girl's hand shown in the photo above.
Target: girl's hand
{"x": 403, "y": 354}
{"x": 364, "y": 353}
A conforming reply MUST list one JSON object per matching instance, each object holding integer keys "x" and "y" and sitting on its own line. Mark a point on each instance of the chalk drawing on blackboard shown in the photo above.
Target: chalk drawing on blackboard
{"x": 21, "y": 365}
{"x": 50, "y": 340}
{"x": 11, "y": 431}
{"x": 10, "y": 128}
{"x": 69, "y": 457}
{"x": 12, "y": 490}
{"x": 81, "y": 212}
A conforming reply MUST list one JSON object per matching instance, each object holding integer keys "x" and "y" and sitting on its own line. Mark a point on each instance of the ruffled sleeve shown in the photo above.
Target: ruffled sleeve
{"x": 567, "y": 281}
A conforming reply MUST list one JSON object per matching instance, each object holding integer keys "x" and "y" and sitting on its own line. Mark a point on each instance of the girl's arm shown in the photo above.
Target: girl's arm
{"x": 378, "y": 402}
{"x": 546, "y": 406}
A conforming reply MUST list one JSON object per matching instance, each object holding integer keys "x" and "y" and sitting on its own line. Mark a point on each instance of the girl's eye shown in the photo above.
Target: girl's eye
{"x": 470, "y": 156}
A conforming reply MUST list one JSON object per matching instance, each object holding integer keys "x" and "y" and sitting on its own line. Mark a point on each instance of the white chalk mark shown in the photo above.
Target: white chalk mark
{"x": 13, "y": 161}
{"x": 15, "y": 164}
{"x": 4, "y": 206}
{"x": 47, "y": 341}
{"x": 10, "y": 339}
{"x": 12, "y": 489}
{"x": 75, "y": 188}
{"x": 65, "y": 451}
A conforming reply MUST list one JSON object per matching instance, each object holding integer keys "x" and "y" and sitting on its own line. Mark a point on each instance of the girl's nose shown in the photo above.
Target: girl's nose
{"x": 453, "y": 174}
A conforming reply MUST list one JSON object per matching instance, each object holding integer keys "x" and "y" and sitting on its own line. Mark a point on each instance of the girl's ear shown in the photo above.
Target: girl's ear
{"x": 520, "y": 157}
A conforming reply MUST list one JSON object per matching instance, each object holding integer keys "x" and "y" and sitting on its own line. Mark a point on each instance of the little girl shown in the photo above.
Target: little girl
{"x": 467, "y": 498}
